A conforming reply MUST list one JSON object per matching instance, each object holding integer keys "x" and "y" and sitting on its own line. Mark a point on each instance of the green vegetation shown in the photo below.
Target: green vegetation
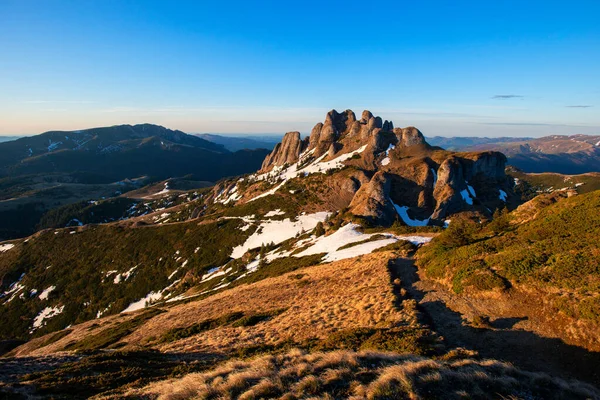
{"x": 202, "y": 326}
{"x": 281, "y": 266}
{"x": 556, "y": 250}
{"x": 398, "y": 340}
{"x": 86, "y": 213}
{"x": 84, "y": 266}
{"x": 104, "y": 371}
{"x": 530, "y": 185}
{"x": 108, "y": 337}
{"x": 371, "y": 239}
{"x": 253, "y": 319}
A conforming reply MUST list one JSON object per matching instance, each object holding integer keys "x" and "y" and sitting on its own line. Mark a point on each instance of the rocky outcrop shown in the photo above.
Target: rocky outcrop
{"x": 427, "y": 183}
{"x": 372, "y": 200}
{"x": 410, "y": 136}
{"x": 286, "y": 152}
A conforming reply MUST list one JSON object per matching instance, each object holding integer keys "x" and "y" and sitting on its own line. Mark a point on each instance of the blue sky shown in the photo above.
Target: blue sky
{"x": 486, "y": 68}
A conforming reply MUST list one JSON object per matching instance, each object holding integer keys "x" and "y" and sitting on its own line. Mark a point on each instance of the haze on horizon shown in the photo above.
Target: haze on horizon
{"x": 501, "y": 69}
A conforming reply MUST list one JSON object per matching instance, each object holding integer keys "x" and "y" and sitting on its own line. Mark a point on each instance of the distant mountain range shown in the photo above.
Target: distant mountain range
{"x": 235, "y": 143}
{"x": 574, "y": 154}
{"x": 8, "y": 138}
{"x": 41, "y": 172}
{"x": 125, "y": 151}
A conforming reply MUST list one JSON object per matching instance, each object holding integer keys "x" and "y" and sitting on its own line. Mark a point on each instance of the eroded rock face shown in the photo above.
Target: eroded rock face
{"x": 405, "y": 170}
{"x": 372, "y": 200}
{"x": 288, "y": 151}
{"x": 409, "y": 136}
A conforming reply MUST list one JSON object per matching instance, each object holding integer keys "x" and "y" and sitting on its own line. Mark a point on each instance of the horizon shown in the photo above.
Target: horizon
{"x": 492, "y": 70}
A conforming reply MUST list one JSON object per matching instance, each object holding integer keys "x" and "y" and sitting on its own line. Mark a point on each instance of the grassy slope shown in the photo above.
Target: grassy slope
{"x": 77, "y": 265}
{"x": 558, "y": 252}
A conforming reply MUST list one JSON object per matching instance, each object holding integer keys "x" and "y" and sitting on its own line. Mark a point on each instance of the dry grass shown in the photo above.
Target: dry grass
{"x": 365, "y": 375}
{"x": 328, "y": 298}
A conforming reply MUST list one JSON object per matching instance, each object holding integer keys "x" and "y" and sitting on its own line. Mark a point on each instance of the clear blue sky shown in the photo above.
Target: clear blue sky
{"x": 448, "y": 67}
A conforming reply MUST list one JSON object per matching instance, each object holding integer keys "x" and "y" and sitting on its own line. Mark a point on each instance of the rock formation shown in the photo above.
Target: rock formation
{"x": 404, "y": 170}
{"x": 286, "y": 152}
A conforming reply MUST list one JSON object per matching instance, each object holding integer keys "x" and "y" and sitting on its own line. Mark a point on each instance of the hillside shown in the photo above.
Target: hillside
{"x": 42, "y": 172}
{"x": 547, "y": 250}
{"x": 574, "y": 154}
{"x": 299, "y": 280}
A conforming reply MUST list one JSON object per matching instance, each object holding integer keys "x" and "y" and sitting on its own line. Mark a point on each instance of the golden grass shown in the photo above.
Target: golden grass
{"x": 342, "y": 295}
{"x": 364, "y": 375}
{"x": 347, "y": 294}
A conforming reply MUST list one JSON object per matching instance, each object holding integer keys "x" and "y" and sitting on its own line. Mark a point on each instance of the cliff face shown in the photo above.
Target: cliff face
{"x": 406, "y": 178}
{"x": 288, "y": 151}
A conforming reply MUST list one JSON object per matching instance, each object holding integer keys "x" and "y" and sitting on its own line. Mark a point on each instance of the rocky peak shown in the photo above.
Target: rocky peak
{"x": 410, "y": 136}
{"x": 286, "y": 152}
{"x": 408, "y": 178}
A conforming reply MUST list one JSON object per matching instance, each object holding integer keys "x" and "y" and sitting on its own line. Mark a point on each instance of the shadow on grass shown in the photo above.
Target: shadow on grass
{"x": 523, "y": 349}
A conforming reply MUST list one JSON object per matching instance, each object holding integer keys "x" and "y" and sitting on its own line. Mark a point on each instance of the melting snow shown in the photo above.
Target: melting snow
{"x": 124, "y": 276}
{"x": 349, "y": 234}
{"x": 213, "y": 273}
{"x": 46, "y": 292}
{"x": 274, "y": 213}
{"x": 14, "y": 289}
{"x": 471, "y": 190}
{"x": 53, "y": 145}
{"x": 141, "y": 303}
{"x": 386, "y": 160}
{"x": 46, "y": 313}
{"x": 6, "y": 247}
{"x": 279, "y": 231}
{"x": 317, "y": 166}
{"x": 165, "y": 190}
{"x": 465, "y": 195}
{"x": 502, "y": 196}
{"x": 403, "y": 212}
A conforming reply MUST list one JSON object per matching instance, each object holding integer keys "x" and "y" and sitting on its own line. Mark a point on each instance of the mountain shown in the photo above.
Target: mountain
{"x": 360, "y": 261}
{"x": 574, "y": 154}
{"x": 458, "y": 143}
{"x": 235, "y": 143}
{"x": 8, "y": 138}
{"x": 379, "y": 172}
{"x": 45, "y": 171}
{"x": 119, "y": 152}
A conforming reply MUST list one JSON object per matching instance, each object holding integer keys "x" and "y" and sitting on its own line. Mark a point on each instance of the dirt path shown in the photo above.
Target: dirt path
{"x": 506, "y": 338}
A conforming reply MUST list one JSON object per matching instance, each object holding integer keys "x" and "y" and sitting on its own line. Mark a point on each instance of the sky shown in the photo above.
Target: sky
{"x": 451, "y": 68}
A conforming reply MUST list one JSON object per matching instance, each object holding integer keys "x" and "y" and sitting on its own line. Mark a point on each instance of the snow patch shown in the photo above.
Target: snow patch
{"x": 124, "y": 276}
{"x": 46, "y": 313}
{"x": 349, "y": 234}
{"x": 403, "y": 213}
{"x": 6, "y": 247}
{"x": 465, "y": 195}
{"x": 317, "y": 166}
{"x": 471, "y": 190}
{"x": 502, "y": 196}
{"x": 46, "y": 292}
{"x": 143, "y": 302}
{"x": 274, "y": 213}
{"x": 279, "y": 231}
